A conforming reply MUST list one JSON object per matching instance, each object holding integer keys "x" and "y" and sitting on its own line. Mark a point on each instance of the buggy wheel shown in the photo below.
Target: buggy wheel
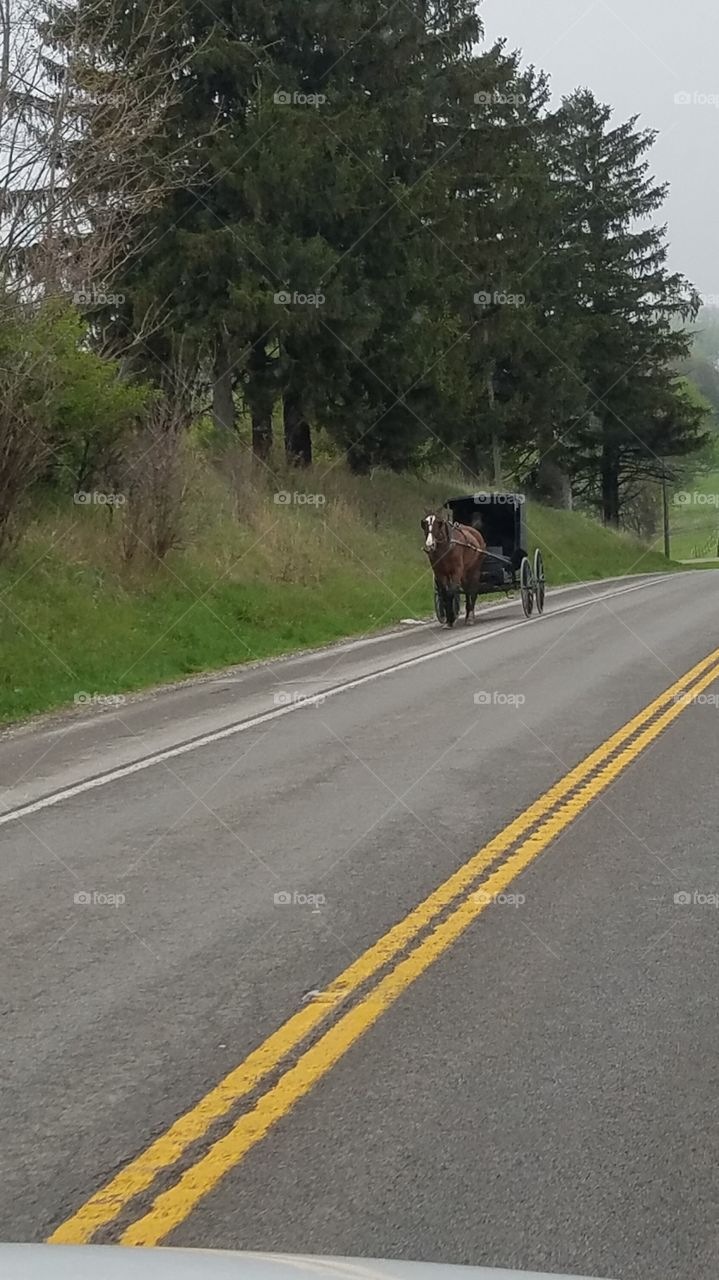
{"x": 439, "y": 605}
{"x": 526, "y": 587}
{"x": 539, "y": 580}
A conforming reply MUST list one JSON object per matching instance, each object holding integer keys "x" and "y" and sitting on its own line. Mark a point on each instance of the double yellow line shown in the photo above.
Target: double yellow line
{"x": 450, "y": 909}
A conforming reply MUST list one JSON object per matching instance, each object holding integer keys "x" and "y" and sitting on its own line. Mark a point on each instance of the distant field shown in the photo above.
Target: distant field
{"x": 257, "y": 578}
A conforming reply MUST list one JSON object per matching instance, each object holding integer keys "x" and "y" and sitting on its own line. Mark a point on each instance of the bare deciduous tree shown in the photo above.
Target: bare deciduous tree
{"x": 86, "y": 143}
{"x": 155, "y": 477}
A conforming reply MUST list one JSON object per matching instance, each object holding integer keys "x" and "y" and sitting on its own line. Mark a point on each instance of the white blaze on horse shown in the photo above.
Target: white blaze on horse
{"x": 456, "y": 553}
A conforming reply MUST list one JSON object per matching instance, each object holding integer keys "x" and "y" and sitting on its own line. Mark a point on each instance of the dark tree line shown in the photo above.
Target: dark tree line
{"x": 388, "y": 235}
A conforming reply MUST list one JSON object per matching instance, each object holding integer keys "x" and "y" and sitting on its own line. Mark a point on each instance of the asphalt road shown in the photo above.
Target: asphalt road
{"x": 541, "y": 1095}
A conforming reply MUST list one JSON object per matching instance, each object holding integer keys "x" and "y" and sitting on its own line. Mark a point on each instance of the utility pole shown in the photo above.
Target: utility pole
{"x": 665, "y": 506}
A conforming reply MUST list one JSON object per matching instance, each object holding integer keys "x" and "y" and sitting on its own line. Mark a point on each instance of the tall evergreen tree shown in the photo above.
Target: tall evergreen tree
{"x": 625, "y": 302}
{"x": 523, "y": 393}
{"x": 387, "y": 232}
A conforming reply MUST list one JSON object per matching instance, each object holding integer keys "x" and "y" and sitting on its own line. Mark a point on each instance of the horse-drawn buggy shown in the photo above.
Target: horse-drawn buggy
{"x": 480, "y": 546}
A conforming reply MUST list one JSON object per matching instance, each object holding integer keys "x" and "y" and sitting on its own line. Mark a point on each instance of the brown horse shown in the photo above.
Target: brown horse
{"x": 456, "y": 553}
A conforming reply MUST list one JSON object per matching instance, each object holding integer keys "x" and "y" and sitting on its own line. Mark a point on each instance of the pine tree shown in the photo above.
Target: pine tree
{"x": 519, "y": 392}
{"x": 395, "y": 386}
{"x": 388, "y": 233}
{"x": 625, "y": 303}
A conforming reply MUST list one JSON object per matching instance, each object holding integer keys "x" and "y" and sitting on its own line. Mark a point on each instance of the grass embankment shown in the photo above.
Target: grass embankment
{"x": 256, "y": 579}
{"x": 694, "y": 518}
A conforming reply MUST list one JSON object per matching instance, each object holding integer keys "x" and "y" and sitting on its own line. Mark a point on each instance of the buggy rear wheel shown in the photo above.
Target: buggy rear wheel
{"x": 439, "y": 605}
{"x": 539, "y": 580}
{"x": 526, "y": 587}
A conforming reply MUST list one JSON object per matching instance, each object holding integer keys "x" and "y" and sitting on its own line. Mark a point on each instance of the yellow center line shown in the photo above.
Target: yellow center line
{"x": 139, "y": 1174}
{"x": 173, "y": 1206}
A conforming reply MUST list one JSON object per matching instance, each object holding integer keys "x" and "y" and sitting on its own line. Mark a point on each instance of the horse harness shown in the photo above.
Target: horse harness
{"x": 454, "y": 542}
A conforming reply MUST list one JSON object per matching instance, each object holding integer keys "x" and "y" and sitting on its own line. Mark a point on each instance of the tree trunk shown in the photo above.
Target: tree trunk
{"x": 496, "y": 461}
{"x": 610, "y": 485}
{"x": 82, "y": 478}
{"x": 359, "y": 459}
{"x": 298, "y": 437}
{"x": 496, "y": 442}
{"x": 260, "y": 399}
{"x": 261, "y": 433}
{"x": 565, "y": 492}
{"x": 553, "y": 483}
{"x": 223, "y": 403}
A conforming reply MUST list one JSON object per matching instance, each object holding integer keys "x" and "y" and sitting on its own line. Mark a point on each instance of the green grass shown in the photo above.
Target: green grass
{"x": 577, "y": 548}
{"x": 695, "y": 525}
{"x": 255, "y": 579}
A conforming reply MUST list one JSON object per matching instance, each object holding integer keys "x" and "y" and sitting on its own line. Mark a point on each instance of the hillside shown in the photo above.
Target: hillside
{"x": 257, "y": 577}
{"x": 694, "y": 517}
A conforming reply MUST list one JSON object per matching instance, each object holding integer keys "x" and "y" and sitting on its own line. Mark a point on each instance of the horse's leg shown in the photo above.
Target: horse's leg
{"x": 473, "y": 584}
{"x": 467, "y": 600}
{"x": 452, "y": 605}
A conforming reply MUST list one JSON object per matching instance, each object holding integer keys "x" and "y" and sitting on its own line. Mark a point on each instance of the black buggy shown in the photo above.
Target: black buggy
{"x": 501, "y": 518}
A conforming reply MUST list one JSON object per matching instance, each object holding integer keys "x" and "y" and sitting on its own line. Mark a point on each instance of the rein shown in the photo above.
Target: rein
{"x": 455, "y": 542}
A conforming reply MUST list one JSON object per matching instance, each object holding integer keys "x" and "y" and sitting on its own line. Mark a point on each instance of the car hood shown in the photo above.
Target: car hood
{"x": 112, "y": 1262}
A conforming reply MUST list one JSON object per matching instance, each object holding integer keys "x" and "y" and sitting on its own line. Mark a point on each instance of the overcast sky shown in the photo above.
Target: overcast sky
{"x": 637, "y": 55}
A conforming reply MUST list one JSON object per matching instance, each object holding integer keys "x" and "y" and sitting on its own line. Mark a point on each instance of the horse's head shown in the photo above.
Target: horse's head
{"x": 436, "y": 530}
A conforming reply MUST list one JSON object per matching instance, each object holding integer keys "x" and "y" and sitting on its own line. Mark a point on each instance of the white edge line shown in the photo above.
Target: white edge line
{"x": 217, "y": 735}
